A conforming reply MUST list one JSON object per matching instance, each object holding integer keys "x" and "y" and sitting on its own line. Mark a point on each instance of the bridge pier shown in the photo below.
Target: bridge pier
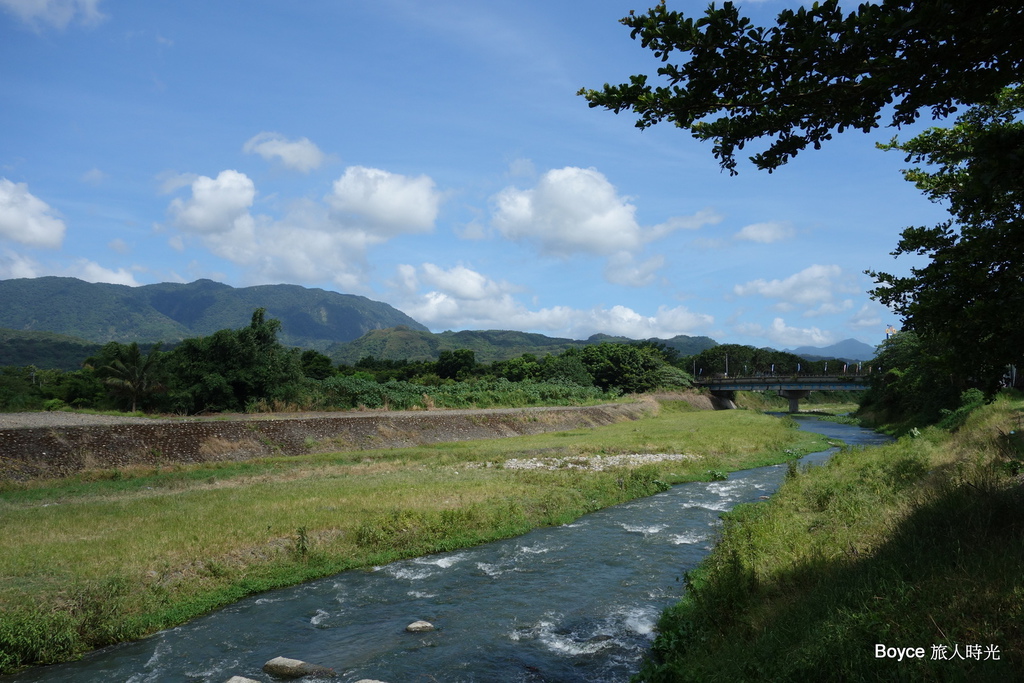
{"x": 726, "y": 398}
{"x": 794, "y": 396}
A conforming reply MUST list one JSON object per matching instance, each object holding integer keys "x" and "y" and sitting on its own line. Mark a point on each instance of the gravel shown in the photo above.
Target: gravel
{"x": 595, "y": 463}
{"x": 63, "y": 419}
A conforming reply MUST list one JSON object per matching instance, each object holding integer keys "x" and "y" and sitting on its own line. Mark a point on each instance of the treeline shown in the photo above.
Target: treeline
{"x": 248, "y": 369}
{"x": 736, "y": 360}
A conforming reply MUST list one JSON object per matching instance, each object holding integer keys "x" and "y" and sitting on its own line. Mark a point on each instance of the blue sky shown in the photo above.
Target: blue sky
{"x": 431, "y": 155}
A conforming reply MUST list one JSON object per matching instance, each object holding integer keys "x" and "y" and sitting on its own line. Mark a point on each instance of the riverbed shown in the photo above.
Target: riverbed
{"x": 577, "y": 602}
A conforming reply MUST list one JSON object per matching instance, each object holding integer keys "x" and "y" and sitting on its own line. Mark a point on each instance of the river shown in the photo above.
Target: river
{"x": 572, "y": 603}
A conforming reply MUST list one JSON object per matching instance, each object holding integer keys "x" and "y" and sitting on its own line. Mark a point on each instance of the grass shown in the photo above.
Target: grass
{"x": 916, "y": 544}
{"x": 114, "y": 555}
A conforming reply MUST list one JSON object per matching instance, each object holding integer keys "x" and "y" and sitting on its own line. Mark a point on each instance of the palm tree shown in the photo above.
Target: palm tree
{"x": 131, "y": 374}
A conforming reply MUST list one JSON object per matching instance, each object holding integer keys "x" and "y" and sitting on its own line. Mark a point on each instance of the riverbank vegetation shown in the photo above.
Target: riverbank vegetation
{"x": 914, "y": 544}
{"x": 248, "y": 369}
{"x": 109, "y": 556}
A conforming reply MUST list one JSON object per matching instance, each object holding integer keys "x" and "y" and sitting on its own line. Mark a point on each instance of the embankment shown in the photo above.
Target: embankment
{"x": 60, "y": 449}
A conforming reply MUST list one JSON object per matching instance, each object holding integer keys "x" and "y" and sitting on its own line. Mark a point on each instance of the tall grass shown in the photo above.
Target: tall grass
{"x": 100, "y": 558}
{"x": 915, "y": 544}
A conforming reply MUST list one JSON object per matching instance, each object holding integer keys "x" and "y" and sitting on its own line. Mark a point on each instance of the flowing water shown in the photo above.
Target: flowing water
{"x": 572, "y": 603}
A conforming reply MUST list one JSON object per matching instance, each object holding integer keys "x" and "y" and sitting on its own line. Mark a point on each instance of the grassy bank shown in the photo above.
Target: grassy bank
{"x": 114, "y": 555}
{"x": 919, "y": 544}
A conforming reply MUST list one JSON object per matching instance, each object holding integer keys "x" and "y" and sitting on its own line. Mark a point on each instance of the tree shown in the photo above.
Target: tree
{"x": 912, "y": 384}
{"x": 130, "y": 374}
{"x": 818, "y": 70}
{"x": 234, "y": 369}
{"x": 316, "y": 365}
{"x": 456, "y": 364}
{"x": 969, "y": 299}
{"x": 630, "y": 369}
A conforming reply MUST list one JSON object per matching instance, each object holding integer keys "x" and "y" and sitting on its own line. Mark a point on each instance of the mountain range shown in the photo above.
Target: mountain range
{"x": 170, "y": 312}
{"x": 848, "y": 349}
{"x": 488, "y": 345}
{"x": 57, "y": 322}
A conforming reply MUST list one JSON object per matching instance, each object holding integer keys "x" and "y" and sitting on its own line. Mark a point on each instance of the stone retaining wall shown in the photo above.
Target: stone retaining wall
{"x": 60, "y": 451}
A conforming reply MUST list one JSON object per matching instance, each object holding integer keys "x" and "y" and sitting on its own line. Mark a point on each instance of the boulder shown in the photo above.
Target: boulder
{"x": 419, "y": 627}
{"x": 241, "y": 679}
{"x": 295, "y": 668}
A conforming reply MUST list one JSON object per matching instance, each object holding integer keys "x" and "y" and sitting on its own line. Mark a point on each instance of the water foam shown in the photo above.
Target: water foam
{"x": 645, "y": 530}
{"x": 688, "y": 538}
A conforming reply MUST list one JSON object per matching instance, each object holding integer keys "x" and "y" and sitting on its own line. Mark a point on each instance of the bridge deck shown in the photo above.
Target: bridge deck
{"x": 789, "y": 383}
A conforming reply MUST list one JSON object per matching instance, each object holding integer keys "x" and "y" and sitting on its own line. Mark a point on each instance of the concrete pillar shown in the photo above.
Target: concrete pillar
{"x": 794, "y": 396}
{"x": 726, "y": 399}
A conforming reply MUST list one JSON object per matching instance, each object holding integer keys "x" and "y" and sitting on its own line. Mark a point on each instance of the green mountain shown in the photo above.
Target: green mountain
{"x": 402, "y": 343}
{"x": 100, "y": 312}
{"x": 44, "y": 349}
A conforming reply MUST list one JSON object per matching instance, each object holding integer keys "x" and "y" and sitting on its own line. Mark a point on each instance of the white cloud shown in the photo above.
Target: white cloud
{"x": 386, "y": 204}
{"x": 171, "y": 181}
{"x": 90, "y": 271}
{"x": 782, "y": 335}
{"x": 56, "y": 13}
{"x": 15, "y": 265}
{"x": 622, "y": 269}
{"x": 812, "y": 285}
{"x": 217, "y": 204}
{"x": 460, "y": 282}
{"x": 27, "y": 219}
{"x": 461, "y": 298}
{"x": 301, "y": 155}
{"x": 314, "y": 241}
{"x": 829, "y": 308}
{"x": 576, "y": 210}
{"x": 869, "y": 317}
{"x": 766, "y": 233}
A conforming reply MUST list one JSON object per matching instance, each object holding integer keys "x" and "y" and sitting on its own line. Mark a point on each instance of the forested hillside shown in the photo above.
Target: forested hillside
{"x": 402, "y": 343}
{"x": 169, "y": 312}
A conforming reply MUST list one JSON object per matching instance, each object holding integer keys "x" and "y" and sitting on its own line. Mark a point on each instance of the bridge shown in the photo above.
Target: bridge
{"x": 793, "y": 387}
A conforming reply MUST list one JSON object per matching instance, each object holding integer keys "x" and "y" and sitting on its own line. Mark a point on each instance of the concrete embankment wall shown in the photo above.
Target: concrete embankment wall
{"x": 59, "y": 451}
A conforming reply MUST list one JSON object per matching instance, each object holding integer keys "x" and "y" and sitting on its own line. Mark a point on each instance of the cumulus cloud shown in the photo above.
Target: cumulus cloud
{"x": 91, "y": 271}
{"x": 812, "y": 285}
{"x": 27, "y": 219}
{"x": 314, "y": 241}
{"x": 217, "y": 204}
{"x": 384, "y": 203}
{"x": 459, "y": 298}
{"x": 301, "y": 155}
{"x": 55, "y": 13}
{"x": 577, "y": 210}
{"x": 782, "y": 335}
{"x": 766, "y": 233}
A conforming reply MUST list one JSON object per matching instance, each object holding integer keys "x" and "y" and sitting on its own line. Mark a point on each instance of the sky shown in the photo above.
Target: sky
{"x": 431, "y": 155}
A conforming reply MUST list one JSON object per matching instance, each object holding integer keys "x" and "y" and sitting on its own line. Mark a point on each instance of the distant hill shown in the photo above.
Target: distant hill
{"x": 100, "y": 312}
{"x": 848, "y": 349}
{"x": 402, "y": 343}
{"x": 44, "y": 349}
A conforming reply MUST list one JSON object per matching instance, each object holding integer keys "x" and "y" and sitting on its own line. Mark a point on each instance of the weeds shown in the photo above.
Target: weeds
{"x": 917, "y": 543}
